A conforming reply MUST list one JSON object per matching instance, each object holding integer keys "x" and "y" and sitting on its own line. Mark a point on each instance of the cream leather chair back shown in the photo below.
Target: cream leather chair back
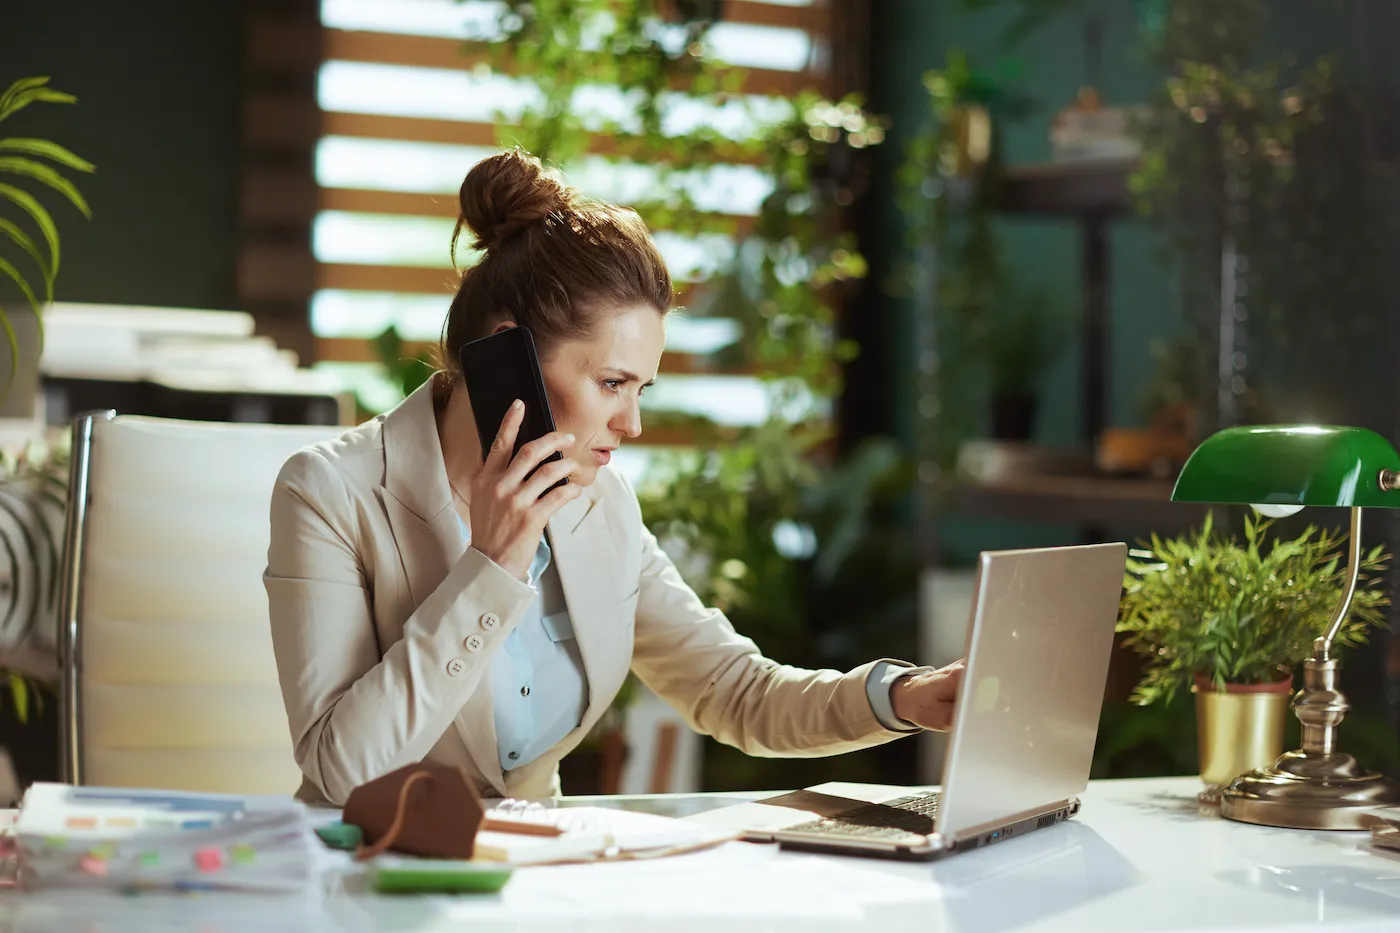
{"x": 168, "y": 675}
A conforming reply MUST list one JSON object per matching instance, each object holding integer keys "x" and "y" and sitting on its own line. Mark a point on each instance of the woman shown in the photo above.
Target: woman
{"x": 426, "y": 604}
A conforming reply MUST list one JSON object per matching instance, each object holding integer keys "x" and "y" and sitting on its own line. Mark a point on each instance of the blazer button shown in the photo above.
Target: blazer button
{"x": 475, "y": 643}
{"x": 455, "y": 667}
{"x": 490, "y": 622}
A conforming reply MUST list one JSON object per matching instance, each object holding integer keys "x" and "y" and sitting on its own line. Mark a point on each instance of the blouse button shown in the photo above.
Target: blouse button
{"x": 490, "y": 621}
{"x": 474, "y": 643}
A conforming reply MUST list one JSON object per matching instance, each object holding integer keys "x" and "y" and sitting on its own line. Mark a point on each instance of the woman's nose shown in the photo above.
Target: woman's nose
{"x": 629, "y": 421}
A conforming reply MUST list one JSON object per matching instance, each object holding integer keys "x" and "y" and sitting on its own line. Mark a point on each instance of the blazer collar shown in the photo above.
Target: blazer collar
{"x": 416, "y": 475}
{"x": 414, "y": 471}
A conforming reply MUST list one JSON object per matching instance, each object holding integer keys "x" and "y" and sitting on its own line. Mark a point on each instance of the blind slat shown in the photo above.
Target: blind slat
{"x": 276, "y": 196}
{"x": 358, "y": 350}
{"x": 433, "y": 52}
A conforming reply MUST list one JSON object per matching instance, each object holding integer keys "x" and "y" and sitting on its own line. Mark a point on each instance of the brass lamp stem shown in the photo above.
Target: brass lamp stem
{"x": 1322, "y": 647}
{"x": 1320, "y": 706}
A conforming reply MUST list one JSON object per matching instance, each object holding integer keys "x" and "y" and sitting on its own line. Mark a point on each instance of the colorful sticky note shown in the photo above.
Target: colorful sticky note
{"x": 55, "y": 842}
{"x": 121, "y": 822}
{"x": 197, "y": 824}
{"x": 148, "y": 859}
{"x": 242, "y": 853}
{"x": 103, "y": 851}
{"x": 93, "y": 866}
{"x": 81, "y": 822}
{"x": 208, "y": 859}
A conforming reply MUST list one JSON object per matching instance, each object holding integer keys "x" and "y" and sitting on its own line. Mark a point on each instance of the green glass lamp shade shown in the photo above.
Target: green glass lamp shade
{"x": 1290, "y": 465}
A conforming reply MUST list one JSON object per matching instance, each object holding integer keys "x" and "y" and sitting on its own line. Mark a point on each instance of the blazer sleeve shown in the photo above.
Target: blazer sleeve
{"x": 692, "y": 657}
{"x": 355, "y": 712}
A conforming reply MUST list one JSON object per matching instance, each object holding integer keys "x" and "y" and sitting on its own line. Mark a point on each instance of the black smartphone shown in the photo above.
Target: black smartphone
{"x": 500, "y": 369}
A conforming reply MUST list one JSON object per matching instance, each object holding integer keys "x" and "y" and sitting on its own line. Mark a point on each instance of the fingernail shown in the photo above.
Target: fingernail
{"x": 569, "y": 438}
{"x": 516, "y": 405}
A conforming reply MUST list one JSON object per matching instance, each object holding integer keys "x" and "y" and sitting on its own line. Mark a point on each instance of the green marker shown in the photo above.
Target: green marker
{"x": 340, "y": 835}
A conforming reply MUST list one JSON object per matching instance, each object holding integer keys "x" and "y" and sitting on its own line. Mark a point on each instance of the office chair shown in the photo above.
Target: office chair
{"x": 168, "y": 676}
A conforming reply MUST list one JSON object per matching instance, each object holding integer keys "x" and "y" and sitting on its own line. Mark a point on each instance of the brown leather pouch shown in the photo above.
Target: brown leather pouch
{"x": 420, "y": 809}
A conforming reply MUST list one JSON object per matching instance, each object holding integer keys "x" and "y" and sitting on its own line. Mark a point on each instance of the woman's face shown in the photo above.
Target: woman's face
{"x": 594, "y": 385}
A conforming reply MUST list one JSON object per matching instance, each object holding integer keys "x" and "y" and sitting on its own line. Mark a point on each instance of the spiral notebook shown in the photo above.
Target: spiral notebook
{"x": 587, "y": 834}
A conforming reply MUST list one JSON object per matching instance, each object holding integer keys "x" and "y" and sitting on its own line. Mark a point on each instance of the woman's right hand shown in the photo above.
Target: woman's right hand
{"x": 507, "y": 514}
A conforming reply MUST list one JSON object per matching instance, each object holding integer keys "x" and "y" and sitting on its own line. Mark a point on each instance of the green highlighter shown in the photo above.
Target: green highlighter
{"x": 391, "y": 874}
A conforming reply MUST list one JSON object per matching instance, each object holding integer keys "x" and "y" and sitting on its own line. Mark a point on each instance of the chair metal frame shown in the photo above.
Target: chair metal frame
{"x": 70, "y": 655}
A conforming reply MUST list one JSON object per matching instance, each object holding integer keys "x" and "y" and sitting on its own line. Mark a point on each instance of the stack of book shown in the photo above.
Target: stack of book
{"x": 126, "y": 839}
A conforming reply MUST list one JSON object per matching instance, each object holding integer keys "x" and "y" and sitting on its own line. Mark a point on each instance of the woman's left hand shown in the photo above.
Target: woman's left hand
{"x": 927, "y": 698}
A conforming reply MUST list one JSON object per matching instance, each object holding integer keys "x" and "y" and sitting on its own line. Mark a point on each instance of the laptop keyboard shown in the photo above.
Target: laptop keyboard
{"x": 895, "y": 820}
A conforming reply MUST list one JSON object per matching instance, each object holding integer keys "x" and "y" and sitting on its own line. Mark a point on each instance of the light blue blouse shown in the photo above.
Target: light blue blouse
{"x": 539, "y": 687}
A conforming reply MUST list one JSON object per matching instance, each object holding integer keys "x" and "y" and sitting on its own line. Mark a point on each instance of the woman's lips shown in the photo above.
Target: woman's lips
{"x": 603, "y": 455}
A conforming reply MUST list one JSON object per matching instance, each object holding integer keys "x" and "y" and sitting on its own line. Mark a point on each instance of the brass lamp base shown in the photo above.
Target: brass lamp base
{"x": 1306, "y": 790}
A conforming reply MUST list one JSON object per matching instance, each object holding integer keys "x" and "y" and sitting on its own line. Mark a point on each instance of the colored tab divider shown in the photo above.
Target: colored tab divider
{"x": 209, "y": 859}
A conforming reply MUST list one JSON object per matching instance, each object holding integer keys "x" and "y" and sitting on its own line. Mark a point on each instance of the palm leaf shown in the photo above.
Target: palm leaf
{"x": 25, "y": 243}
{"x": 9, "y": 329}
{"x": 8, "y": 268}
{"x": 38, "y": 170}
{"x": 42, "y": 218}
{"x": 47, "y": 150}
{"x": 19, "y": 692}
{"x": 21, "y": 84}
{"x": 38, "y": 95}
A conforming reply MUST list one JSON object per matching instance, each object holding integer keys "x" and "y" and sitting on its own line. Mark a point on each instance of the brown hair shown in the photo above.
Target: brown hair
{"x": 554, "y": 259}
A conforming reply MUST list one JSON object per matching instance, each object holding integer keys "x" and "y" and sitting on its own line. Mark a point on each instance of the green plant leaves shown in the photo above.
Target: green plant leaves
{"x": 19, "y": 156}
{"x": 38, "y": 170}
{"x": 41, "y": 217}
{"x": 19, "y": 693}
{"x": 1240, "y": 613}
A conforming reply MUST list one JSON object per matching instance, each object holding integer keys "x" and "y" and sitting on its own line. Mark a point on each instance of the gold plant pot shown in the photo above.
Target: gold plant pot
{"x": 1241, "y": 729}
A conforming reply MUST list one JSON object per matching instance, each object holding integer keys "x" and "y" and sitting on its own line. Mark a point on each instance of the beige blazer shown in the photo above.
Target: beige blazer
{"x": 384, "y": 625}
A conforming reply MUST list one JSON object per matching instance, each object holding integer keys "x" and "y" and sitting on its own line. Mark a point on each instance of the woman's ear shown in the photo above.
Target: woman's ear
{"x": 502, "y": 326}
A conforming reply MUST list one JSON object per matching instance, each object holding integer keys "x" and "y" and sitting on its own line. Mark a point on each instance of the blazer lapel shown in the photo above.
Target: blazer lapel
{"x": 418, "y": 501}
{"x": 586, "y": 558}
{"x": 417, "y": 497}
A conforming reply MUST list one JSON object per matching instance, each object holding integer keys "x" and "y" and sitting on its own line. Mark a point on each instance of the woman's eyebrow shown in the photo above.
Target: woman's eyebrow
{"x": 628, "y": 376}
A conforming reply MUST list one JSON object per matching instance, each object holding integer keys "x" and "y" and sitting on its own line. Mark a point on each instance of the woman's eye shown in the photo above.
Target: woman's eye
{"x": 613, "y": 384}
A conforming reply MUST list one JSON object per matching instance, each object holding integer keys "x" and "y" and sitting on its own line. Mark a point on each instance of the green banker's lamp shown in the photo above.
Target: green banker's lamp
{"x": 1279, "y": 469}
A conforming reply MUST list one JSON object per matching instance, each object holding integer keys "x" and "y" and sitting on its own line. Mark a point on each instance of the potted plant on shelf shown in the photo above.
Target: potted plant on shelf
{"x": 1231, "y": 620}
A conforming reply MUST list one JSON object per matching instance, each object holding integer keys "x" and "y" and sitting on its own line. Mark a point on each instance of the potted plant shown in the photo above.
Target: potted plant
{"x": 33, "y": 482}
{"x": 1231, "y": 620}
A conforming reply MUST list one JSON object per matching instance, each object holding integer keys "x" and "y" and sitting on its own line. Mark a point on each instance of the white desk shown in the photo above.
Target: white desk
{"x": 1141, "y": 856}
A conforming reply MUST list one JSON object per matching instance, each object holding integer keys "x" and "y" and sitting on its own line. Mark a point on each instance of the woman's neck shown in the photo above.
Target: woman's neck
{"x": 461, "y": 450}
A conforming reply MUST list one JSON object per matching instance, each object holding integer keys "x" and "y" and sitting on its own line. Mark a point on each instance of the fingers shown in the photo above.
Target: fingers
{"x": 546, "y": 476}
{"x": 498, "y": 457}
{"x": 555, "y": 500}
{"x": 532, "y": 454}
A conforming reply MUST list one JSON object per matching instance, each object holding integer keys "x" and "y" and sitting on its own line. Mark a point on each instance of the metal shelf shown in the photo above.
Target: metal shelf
{"x": 1068, "y": 189}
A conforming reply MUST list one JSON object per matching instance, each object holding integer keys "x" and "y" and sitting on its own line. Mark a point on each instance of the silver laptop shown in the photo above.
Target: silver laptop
{"x": 1023, "y": 736}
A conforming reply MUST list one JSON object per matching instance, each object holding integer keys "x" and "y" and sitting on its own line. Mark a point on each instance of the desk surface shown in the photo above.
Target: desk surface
{"x": 1141, "y": 856}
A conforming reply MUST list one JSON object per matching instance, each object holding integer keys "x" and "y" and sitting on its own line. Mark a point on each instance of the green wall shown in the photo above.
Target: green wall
{"x": 913, "y": 36}
{"x": 158, "y": 85}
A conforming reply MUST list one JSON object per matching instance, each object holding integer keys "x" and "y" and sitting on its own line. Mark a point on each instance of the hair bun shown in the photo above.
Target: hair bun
{"x": 503, "y": 195}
